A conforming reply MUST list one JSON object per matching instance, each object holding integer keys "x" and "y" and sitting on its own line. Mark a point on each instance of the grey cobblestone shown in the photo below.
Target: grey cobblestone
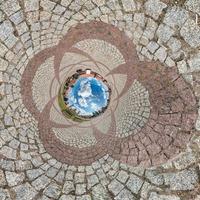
{"x": 190, "y": 31}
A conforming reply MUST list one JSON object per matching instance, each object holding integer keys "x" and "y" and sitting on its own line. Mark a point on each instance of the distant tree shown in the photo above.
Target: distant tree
{"x": 75, "y": 76}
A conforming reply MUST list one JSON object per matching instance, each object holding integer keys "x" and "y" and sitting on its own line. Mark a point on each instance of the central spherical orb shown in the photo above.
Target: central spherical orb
{"x": 84, "y": 95}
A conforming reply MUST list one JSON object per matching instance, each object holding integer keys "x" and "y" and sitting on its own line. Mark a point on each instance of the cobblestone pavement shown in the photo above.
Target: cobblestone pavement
{"x": 146, "y": 145}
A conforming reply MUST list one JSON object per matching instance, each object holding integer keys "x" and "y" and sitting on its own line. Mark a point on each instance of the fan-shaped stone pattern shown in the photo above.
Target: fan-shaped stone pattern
{"x": 56, "y": 114}
{"x": 70, "y": 58}
{"x": 104, "y": 124}
{"x": 27, "y": 27}
{"x": 55, "y": 86}
{"x": 120, "y": 81}
{"x": 42, "y": 83}
{"x": 171, "y": 120}
{"x": 102, "y": 51}
{"x": 136, "y": 86}
{"x": 76, "y": 137}
{"x": 133, "y": 110}
{"x": 117, "y": 83}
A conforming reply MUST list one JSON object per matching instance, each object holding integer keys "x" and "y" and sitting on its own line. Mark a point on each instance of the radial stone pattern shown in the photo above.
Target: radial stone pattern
{"x": 140, "y": 140}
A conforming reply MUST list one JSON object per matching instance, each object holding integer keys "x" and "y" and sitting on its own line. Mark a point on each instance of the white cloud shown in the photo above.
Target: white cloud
{"x": 94, "y": 106}
{"x": 82, "y": 102}
{"x": 72, "y": 99}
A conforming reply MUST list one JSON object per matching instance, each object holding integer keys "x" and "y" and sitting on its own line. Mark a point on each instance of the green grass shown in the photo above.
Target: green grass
{"x": 67, "y": 112}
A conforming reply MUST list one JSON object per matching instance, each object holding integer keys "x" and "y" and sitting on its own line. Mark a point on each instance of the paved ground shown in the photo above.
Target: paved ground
{"x": 146, "y": 146}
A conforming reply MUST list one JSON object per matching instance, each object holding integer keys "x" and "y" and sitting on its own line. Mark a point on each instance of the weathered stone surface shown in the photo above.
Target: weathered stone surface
{"x": 3, "y": 64}
{"x": 53, "y": 190}
{"x": 139, "y": 19}
{"x": 182, "y": 67}
{"x": 99, "y": 2}
{"x": 23, "y": 165}
{"x": 183, "y": 180}
{"x": 51, "y": 172}
{"x": 80, "y": 189}
{"x": 152, "y": 46}
{"x": 4, "y": 194}
{"x": 63, "y": 2}
{"x": 14, "y": 179}
{"x": 184, "y": 160}
{"x": 41, "y": 182}
{"x": 8, "y": 152}
{"x": 197, "y": 197}
{"x": 68, "y": 187}
{"x": 154, "y": 8}
{"x": 34, "y": 173}
{"x": 10, "y": 6}
{"x": 17, "y": 17}
{"x": 146, "y": 188}
{"x": 161, "y": 54}
{"x": 60, "y": 176}
{"x": 84, "y": 197}
{"x": 176, "y": 17}
{"x": 92, "y": 180}
{"x": 174, "y": 44}
{"x": 169, "y": 62}
{"x": 8, "y": 120}
{"x": 194, "y": 62}
{"x": 150, "y": 29}
{"x": 193, "y": 5}
{"x": 2, "y": 179}
{"x": 99, "y": 192}
{"x": 31, "y": 5}
{"x": 125, "y": 195}
{"x": 115, "y": 187}
{"x": 190, "y": 32}
{"x": 7, "y": 165}
{"x": 154, "y": 177}
{"x": 122, "y": 176}
{"x": 134, "y": 184}
{"x": 67, "y": 197}
{"x": 24, "y": 192}
{"x": 79, "y": 177}
{"x": 164, "y": 33}
{"x": 155, "y": 196}
{"x": 129, "y": 5}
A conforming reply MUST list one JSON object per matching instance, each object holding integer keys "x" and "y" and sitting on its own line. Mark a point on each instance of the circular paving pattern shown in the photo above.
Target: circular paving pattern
{"x": 84, "y": 95}
{"x": 99, "y": 100}
{"x": 151, "y": 110}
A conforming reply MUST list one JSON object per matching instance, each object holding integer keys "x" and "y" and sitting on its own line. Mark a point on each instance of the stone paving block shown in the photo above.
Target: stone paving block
{"x": 154, "y": 8}
{"x": 190, "y": 32}
{"x": 14, "y": 179}
{"x": 176, "y": 17}
{"x": 134, "y": 184}
{"x": 115, "y": 187}
{"x": 25, "y": 192}
{"x": 53, "y": 191}
{"x": 68, "y": 187}
{"x": 41, "y": 182}
{"x": 31, "y": 5}
{"x": 155, "y": 196}
{"x": 193, "y": 5}
{"x": 183, "y": 180}
{"x": 10, "y": 6}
